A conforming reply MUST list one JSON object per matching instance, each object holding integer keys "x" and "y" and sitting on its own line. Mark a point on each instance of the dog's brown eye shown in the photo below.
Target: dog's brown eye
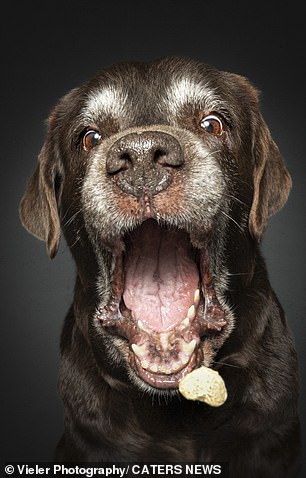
{"x": 212, "y": 124}
{"x": 90, "y": 139}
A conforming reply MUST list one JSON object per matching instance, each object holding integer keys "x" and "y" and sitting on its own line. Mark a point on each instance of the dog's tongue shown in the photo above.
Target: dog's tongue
{"x": 161, "y": 276}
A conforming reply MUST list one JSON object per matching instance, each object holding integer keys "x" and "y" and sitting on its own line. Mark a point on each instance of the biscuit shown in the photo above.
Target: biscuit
{"x": 205, "y": 385}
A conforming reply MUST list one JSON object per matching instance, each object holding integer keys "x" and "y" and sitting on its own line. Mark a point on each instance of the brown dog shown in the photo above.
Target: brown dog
{"x": 162, "y": 177}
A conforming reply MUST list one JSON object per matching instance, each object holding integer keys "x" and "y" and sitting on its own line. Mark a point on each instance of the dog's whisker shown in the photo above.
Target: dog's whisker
{"x": 237, "y": 273}
{"x": 237, "y": 200}
{"x": 69, "y": 208}
{"x": 233, "y": 220}
{"x": 70, "y": 220}
{"x": 75, "y": 242}
{"x": 227, "y": 364}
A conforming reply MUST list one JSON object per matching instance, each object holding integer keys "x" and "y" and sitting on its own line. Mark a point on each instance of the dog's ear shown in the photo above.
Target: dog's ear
{"x": 40, "y": 203}
{"x": 272, "y": 181}
{"x": 38, "y": 206}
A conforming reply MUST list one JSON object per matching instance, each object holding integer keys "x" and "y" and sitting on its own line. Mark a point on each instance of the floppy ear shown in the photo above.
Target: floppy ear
{"x": 272, "y": 181}
{"x": 38, "y": 207}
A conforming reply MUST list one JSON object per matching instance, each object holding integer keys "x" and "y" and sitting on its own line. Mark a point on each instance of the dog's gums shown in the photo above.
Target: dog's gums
{"x": 163, "y": 303}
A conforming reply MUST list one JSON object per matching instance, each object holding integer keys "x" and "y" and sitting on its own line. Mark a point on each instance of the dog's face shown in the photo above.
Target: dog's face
{"x": 162, "y": 177}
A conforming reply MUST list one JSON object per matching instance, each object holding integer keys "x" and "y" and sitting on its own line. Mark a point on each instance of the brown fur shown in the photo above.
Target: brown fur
{"x": 222, "y": 193}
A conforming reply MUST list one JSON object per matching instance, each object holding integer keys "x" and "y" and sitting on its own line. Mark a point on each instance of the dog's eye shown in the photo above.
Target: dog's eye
{"x": 90, "y": 139}
{"x": 212, "y": 124}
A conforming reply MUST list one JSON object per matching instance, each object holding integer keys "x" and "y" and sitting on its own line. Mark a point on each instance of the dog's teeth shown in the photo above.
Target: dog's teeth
{"x": 154, "y": 368}
{"x": 196, "y": 298}
{"x": 176, "y": 366}
{"x": 138, "y": 350}
{"x": 165, "y": 369}
{"x": 186, "y": 322}
{"x": 185, "y": 359}
{"x": 191, "y": 312}
{"x": 189, "y": 348}
{"x": 145, "y": 364}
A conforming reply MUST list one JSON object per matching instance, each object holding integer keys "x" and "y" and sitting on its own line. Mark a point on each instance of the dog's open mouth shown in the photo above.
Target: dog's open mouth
{"x": 163, "y": 303}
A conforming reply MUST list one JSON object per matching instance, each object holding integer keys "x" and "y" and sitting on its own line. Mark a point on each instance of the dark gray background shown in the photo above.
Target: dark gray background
{"x": 50, "y": 47}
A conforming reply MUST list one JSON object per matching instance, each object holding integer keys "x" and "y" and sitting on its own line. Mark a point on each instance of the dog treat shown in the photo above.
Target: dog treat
{"x": 205, "y": 385}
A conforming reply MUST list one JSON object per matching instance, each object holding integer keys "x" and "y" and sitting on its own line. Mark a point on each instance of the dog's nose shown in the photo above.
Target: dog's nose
{"x": 144, "y": 162}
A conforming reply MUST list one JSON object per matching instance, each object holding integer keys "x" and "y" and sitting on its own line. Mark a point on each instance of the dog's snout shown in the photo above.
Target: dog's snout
{"x": 144, "y": 161}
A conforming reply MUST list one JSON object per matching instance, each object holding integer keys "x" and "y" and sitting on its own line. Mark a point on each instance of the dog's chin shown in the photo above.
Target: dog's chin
{"x": 163, "y": 313}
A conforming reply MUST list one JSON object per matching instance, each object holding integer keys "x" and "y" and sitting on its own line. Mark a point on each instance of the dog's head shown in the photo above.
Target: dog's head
{"x": 162, "y": 177}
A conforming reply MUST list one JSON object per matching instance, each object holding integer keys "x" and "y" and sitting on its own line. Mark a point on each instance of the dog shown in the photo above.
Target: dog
{"x": 162, "y": 177}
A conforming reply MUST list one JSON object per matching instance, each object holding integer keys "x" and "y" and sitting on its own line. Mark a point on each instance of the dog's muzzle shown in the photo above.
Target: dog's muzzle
{"x": 144, "y": 162}
{"x": 163, "y": 311}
